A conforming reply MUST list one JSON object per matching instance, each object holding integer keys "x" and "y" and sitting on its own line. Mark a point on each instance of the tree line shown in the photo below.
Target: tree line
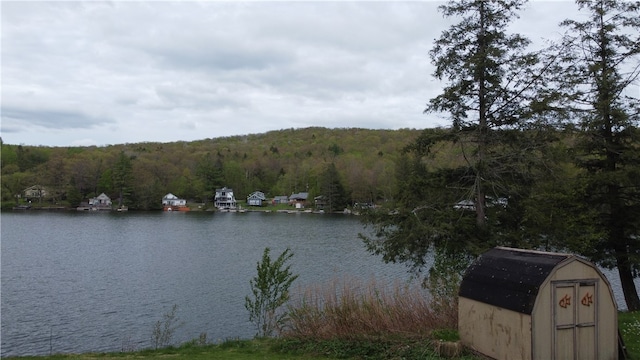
{"x": 347, "y": 166}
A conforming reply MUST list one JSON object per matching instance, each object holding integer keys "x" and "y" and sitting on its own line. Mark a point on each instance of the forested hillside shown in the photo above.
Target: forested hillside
{"x": 277, "y": 163}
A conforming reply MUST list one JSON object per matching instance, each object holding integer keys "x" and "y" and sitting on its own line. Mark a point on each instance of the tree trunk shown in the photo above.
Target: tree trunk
{"x": 481, "y": 219}
{"x": 628, "y": 286}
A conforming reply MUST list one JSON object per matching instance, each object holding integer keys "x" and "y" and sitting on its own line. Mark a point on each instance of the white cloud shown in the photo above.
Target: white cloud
{"x": 77, "y": 73}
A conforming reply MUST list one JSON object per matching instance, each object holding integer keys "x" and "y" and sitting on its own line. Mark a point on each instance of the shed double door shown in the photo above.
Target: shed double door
{"x": 575, "y": 320}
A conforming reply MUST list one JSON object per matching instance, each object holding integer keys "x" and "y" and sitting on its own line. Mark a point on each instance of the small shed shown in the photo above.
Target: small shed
{"x": 521, "y": 304}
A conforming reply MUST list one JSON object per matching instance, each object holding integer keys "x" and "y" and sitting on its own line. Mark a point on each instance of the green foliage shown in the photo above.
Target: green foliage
{"x": 74, "y": 197}
{"x": 268, "y": 349}
{"x": 164, "y": 329}
{"x": 601, "y": 53}
{"x": 8, "y": 156}
{"x": 122, "y": 177}
{"x": 462, "y": 190}
{"x": 29, "y": 157}
{"x": 491, "y": 81}
{"x": 444, "y": 279}
{"x": 365, "y": 348}
{"x": 193, "y": 170}
{"x": 270, "y": 289}
{"x": 629, "y": 325}
{"x": 333, "y": 192}
{"x": 487, "y": 71}
{"x": 423, "y": 218}
{"x": 335, "y": 150}
{"x": 445, "y": 335}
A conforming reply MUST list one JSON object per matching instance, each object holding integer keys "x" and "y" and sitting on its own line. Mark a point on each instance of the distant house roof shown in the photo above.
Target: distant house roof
{"x": 100, "y": 200}
{"x": 257, "y": 195}
{"x": 224, "y": 189}
{"x": 103, "y": 196}
{"x": 299, "y": 196}
{"x": 169, "y": 196}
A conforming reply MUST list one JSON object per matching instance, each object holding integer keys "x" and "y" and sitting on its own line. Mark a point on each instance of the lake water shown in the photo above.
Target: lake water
{"x": 85, "y": 281}
{"x": 79, "y": 282}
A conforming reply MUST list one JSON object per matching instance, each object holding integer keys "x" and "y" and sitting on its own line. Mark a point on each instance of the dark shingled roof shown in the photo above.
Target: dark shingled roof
{"x": 509, "y": 278}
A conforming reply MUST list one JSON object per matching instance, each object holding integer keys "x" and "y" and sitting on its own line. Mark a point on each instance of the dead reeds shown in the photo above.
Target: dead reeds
{"x": 350, "y": 309}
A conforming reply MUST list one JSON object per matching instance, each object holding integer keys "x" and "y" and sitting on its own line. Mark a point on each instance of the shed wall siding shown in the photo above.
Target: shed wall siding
{"x": 494, "y": 331}
{"x": 542, "y": 326}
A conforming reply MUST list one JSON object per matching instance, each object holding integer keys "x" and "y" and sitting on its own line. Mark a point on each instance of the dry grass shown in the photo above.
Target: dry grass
{"x": 351, "y": 309}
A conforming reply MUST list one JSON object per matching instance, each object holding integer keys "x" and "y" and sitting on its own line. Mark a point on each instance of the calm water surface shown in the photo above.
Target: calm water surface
{"x": 79, "y": 282}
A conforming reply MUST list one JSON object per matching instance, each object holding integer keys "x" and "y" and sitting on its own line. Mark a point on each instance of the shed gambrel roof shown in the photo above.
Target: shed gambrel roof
{"x": 509, "y": 278}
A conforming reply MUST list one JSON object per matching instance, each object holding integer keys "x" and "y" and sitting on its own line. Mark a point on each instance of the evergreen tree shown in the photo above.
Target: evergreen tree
{"x": 211, "y": 174}
{"x": 334, "y": 193}
{"x": 601, "y": 57}
{"x": 491, "y": 84}
{"x": 122, "y": 177}
{"x": 74, "y": 196}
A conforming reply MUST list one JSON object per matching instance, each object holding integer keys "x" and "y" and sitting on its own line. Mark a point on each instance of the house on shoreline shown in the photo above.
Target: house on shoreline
{"x": 280, "y": 199}
{"x": 35, "y": 192}
{"x": 171, "y": 202}
{"x": 256, "y": 198}
{"x": 299, "y": 200}
{"x": 100, "y": 202}
{"x": 224, "y": 199}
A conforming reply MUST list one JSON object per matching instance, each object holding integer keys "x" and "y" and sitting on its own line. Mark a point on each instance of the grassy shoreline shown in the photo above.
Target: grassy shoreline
{"x": 379, "y": 347}
{"x": 272, "y": 349}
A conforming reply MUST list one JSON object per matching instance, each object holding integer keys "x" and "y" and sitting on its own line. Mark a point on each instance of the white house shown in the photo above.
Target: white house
{"x": 101, "y": 201}
{"x": 172, "y": 200}
{"x": 224, "y": 199}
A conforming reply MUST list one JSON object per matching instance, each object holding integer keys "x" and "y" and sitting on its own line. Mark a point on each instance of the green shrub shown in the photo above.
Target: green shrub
{"x": 270, "y": 290}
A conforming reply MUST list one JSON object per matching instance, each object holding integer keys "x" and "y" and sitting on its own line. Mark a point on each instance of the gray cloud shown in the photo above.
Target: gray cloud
{"x": 114, "y": 72}
{"x": 15, "y": 118}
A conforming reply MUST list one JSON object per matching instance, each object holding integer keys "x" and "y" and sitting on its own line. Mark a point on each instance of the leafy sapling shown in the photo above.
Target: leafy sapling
{"x": 270, "y": 289}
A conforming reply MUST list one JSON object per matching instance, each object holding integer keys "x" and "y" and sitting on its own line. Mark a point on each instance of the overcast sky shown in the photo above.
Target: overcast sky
{"x": 98, "y": 73}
